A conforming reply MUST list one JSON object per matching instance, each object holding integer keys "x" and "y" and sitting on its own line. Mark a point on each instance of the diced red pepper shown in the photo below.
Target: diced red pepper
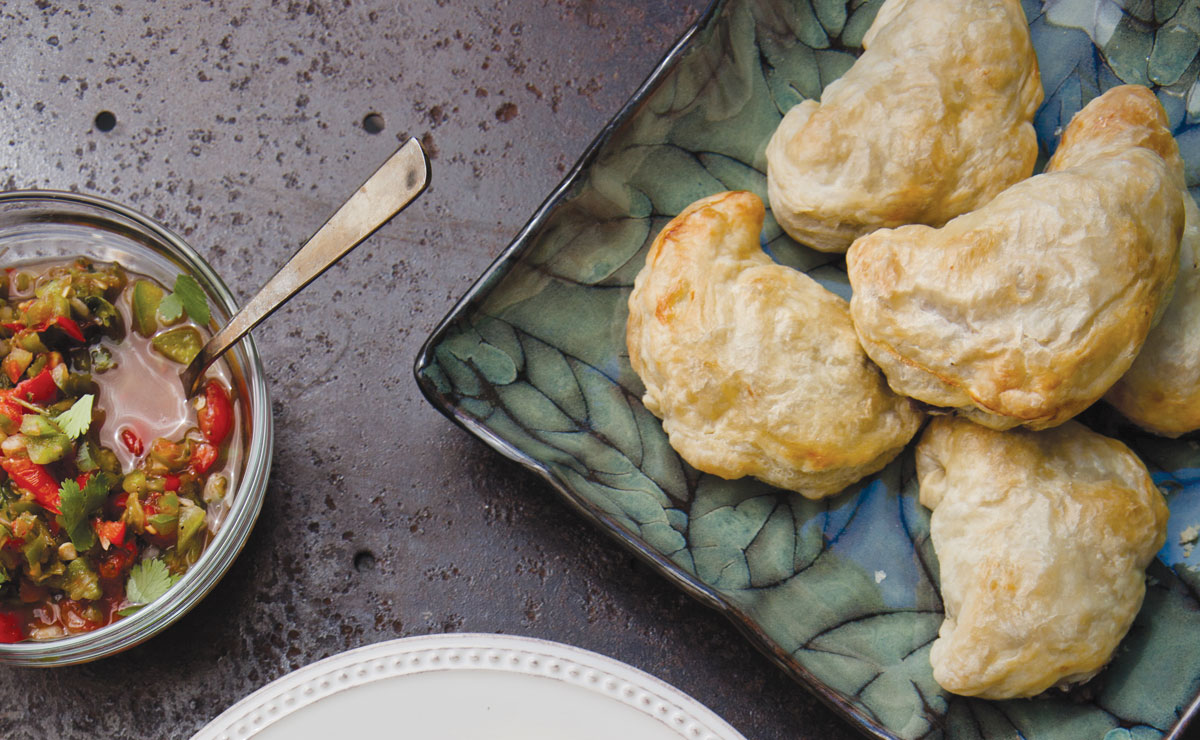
{"x": 38, "y": 389}
{"x": 10, "y": 628}
{"x": 68, "y": 325}
{"x": 14, "y": 326}
{"x": 110, "y": 533}
{"x": 34, "y": 478}
{"x": 132, "y": 441}
{"x": 82, "y": 479}
{"x": 216, "y": 415}
{"x": 120, "y": 500}
{"x": 13, "y": 410}
{"x": 203, "y": 457}
{"x": 171, "y": 482}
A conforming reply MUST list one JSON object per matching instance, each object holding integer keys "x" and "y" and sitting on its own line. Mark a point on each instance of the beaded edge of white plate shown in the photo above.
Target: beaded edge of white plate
{"x": 415, "y": 655}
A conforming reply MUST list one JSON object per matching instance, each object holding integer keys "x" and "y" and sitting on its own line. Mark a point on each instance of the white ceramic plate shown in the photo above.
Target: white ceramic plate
{"x": 467, "y": 686}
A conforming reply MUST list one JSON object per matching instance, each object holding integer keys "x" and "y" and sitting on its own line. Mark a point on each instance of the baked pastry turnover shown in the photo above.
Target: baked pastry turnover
{"x": 1042, "y": 539}
{"x": 1161, "y": 390}
{"x": 753, "y": 367}
{"x": 933, "y": 120}
{"x": 1027, "y": 310}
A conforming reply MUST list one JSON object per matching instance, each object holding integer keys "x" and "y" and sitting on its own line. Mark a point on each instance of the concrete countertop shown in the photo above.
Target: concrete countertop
{"x": 241, "y": 126}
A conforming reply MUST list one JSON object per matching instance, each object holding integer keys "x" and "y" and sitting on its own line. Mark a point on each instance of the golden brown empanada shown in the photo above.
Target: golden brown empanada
{"x": 1027, "y": 310}
{"x": 753, "y": 367}
{"x": 1124, "y": 117}
{"x": 1042, "y": 539}
{"x": 1161, "y": 390}
{"x": 933, "y": 120}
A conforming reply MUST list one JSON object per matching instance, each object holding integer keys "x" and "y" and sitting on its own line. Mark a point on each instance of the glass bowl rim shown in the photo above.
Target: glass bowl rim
{"x": 248, "y": 497}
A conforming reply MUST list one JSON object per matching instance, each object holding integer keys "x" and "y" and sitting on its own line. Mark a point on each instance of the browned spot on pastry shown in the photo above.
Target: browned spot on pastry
{"x": 1129, "y": 111}
{"x": 664, "y": 310}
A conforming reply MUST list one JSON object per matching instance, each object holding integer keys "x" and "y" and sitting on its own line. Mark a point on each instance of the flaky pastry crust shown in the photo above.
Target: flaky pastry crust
{"x": 1042, "y": 540}
{"x": 753, "y": 367}
{"x": 933, "y": 120}
{"x": 1161, "y": 390}
{"x": 1026, "y": 311}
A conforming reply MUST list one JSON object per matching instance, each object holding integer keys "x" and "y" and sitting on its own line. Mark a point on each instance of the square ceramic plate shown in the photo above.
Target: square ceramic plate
{"x": 843, "y": 592}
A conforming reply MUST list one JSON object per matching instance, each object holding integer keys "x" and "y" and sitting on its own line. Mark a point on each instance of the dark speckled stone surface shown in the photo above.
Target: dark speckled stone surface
{"x": 240, "y": 126}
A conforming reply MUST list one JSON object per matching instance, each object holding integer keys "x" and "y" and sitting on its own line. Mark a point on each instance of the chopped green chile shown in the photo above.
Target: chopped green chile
{"x": 181, "y": 345}
{"x": 166, "y": 456}
{"x": 135, "y": 482}
{"x": 89, "y": 490}
{"x": 214, "y": 489}
{"x": 191, "y": 521}
{"x": 135, "y": 515}
{"x": 17, "y": 361}
{"x": 36, "y": 548}
{"x": 44, "y": 441}
{"x": 48, "y": 449}
{"x": 32, "y": 342}
{"x": 51, "y": 301}
{"x": 37, "y": 425}
{"x": 145, "y": 299}
{"x": 104, "y": 312}
{"x": 163, "y": 524}
{"x": 81, "y": 581}
{"x": 101, "y": 359}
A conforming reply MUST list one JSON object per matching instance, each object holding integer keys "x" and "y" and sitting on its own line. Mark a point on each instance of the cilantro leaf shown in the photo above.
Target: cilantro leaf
{"x": 84, "y": 459}
{"x": 148, "y": 580}
{"x": 76, "y": 506}
{"x": 97, "y": 488}
{"x": 75, "y": 421}
{"x": 191, "y": 295}
{"x": 170, "y": 308}
{"x": 73, "y": 518}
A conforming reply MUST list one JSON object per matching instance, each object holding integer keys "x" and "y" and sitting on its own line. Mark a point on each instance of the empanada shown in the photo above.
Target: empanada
{"x": 933, "y": 120}
{"x": 1161, "y": 390}
{"x": 1027, "y": 310}
{"x": 1042, "y": 539}
{"x": 753, "y": 367}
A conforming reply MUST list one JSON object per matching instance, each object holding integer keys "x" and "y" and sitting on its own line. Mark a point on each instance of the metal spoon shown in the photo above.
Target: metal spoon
{"x": 393, "y": 186}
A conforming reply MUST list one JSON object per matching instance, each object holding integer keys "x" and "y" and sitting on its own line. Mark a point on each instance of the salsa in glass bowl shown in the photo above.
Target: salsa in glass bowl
{"x": 109, "y": 492}
{"x": 122, "y": 501}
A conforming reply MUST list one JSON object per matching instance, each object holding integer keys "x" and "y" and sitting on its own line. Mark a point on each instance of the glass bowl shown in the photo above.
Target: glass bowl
{"x": 43, "y": 225}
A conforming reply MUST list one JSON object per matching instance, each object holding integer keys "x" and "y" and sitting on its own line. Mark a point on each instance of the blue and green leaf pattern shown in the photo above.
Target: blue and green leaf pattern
{"x": 842, "y": 592}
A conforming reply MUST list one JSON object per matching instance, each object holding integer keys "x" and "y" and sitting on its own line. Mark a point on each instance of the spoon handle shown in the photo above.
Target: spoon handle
{"x": 393, "y": 186}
